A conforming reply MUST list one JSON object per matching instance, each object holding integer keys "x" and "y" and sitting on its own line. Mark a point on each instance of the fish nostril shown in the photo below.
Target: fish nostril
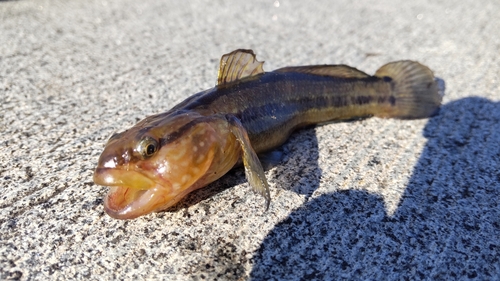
{"x": 109, "y": 161}
{"x": 115, "y": 158}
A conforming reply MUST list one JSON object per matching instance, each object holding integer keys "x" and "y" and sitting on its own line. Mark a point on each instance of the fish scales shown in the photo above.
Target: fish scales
{"x": 272, "y": 105}
{"x": 164, "y": 157}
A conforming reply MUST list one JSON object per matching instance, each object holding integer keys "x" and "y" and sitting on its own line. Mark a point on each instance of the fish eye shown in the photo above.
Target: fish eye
{"x": 148, "y": 146}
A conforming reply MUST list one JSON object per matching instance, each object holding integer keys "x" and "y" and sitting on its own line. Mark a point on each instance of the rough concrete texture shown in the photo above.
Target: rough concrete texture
{"x": 371, "y": 200}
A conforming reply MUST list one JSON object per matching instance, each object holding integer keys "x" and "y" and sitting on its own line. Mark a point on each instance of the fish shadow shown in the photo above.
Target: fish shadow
{"x": 447, "y": 224}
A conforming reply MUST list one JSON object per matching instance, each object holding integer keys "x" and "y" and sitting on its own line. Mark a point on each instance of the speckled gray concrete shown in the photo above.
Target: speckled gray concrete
{"x": 371, "y": 200}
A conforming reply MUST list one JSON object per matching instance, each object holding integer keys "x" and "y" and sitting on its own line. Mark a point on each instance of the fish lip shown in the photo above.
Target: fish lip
{"x": 128, "y": 193}
{"x": 120, "y": 177}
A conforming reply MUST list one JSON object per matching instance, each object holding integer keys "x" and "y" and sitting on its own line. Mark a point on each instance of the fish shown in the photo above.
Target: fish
{"x": 156, "y": 163}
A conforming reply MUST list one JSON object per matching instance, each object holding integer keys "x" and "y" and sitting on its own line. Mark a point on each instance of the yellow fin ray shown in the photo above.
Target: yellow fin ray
{"x": 237, "y": 65}
{"x": 253, "y": 168}
{"x": 416, "y": 91}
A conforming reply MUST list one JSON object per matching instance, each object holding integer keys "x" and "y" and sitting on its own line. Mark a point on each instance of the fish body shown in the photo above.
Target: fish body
{"x": 156, "y": 163}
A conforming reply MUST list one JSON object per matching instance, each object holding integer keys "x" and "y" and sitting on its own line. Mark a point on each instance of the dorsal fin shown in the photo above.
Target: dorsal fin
{"x": 237, "y": 65}
{"x": 341, "y": 70}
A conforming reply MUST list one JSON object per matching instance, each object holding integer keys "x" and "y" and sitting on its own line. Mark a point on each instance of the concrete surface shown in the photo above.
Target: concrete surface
{"x": 371, "y": 200}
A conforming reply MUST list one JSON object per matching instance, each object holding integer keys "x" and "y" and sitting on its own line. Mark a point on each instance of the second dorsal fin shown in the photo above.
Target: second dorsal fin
{"x": 341, "y": 70}
{"x": 237, "y": 65}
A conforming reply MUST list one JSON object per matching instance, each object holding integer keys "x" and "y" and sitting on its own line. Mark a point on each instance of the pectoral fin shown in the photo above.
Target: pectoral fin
{"x": 253, "y": 168}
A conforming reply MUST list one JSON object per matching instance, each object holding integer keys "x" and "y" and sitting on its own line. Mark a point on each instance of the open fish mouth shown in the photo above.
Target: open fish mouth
{"x": 131, "y": 194}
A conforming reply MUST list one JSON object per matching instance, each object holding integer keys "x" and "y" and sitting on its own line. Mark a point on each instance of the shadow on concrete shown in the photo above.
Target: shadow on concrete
{"x": 447, "y": 225}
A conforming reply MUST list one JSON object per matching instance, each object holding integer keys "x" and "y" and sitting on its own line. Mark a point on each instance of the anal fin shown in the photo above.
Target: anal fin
{"x": 270, "y": 159}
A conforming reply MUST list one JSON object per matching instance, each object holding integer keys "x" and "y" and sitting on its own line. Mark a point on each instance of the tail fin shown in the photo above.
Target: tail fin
{"x": 417, "y": 94}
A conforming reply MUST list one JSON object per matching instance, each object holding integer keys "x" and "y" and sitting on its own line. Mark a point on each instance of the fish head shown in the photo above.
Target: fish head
{"x": 151, "y": 166}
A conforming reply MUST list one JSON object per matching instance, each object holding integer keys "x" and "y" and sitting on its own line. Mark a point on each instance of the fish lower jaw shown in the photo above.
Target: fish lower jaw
{"x": 129, "y": 203}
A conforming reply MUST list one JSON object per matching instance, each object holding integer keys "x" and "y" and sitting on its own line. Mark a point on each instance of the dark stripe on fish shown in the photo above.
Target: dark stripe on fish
{"x": 180, "y": 132}
{"x": 291, "y": 108}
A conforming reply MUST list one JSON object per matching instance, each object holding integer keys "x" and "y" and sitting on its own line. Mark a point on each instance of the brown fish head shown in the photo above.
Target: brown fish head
{"x": 154, "y": 164}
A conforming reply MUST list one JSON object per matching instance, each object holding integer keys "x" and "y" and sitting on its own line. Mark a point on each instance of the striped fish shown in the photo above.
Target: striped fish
{"x": 156, "y": 163}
